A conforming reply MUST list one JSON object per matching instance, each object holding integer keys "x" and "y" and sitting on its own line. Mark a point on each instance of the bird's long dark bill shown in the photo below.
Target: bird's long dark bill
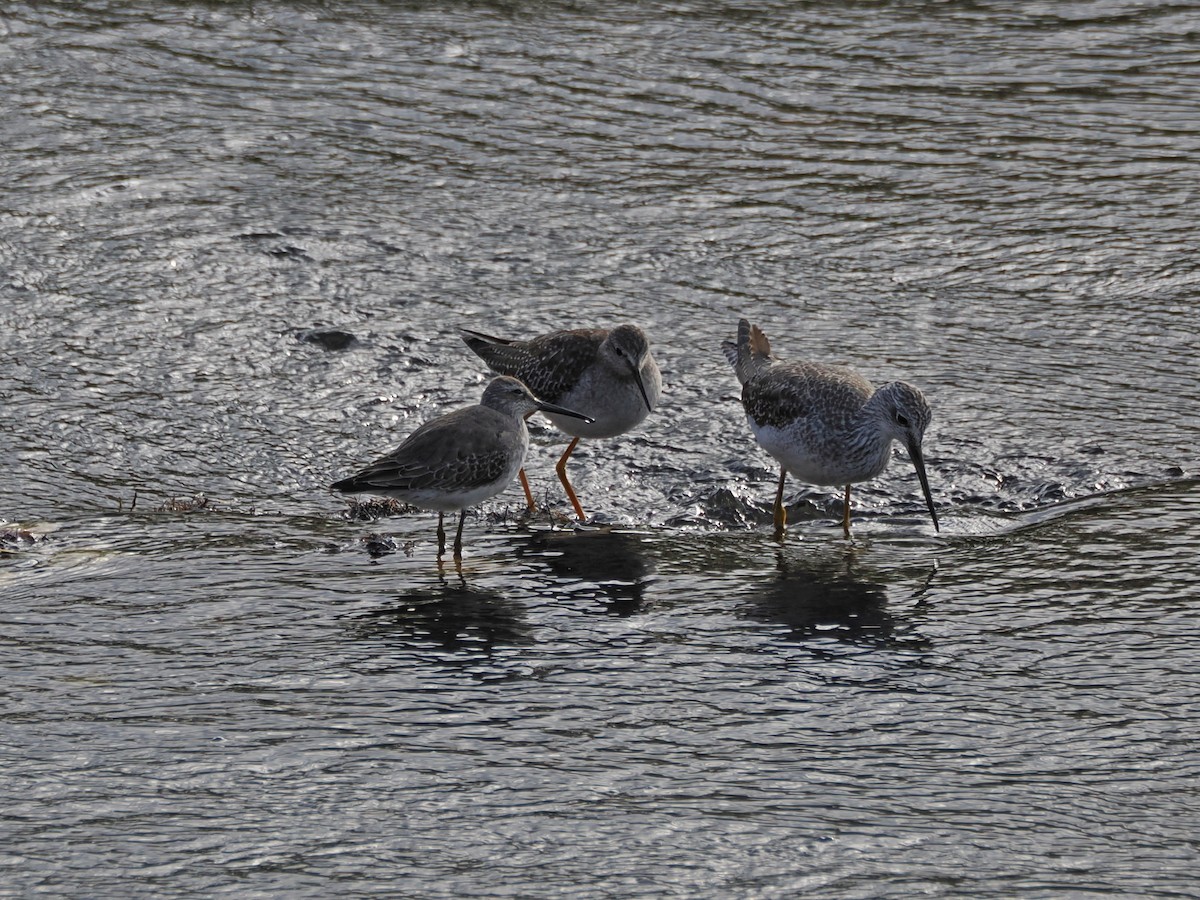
{"x": 563, "y": 411}
{"x": 914, "y": 451}
{"x": 637, "y": 378}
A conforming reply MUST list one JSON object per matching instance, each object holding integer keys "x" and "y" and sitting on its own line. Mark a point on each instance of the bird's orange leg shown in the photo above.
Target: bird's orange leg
{"x": 528, "y": 493}
{"x": 780, "y": 512}
{"x": 530, "y": 505}
{"x": 561, "y": 468}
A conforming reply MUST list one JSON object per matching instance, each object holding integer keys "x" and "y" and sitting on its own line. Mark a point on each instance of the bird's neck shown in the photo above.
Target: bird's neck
{"x": 870, "y": 438}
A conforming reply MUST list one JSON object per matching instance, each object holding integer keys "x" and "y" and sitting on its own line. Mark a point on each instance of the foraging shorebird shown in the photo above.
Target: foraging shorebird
{"x": 460, "y": 459}
{"x": 608, "y": 375}
{"x": 825, "y": 424}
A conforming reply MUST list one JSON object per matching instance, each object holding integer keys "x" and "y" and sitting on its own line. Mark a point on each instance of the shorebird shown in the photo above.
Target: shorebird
{"x": 609, "y": 375}
{"x": 825, "y": 424}
{"x": 459, "y": 459}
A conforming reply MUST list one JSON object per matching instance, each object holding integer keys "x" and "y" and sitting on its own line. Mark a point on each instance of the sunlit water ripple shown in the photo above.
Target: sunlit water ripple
{"x": 216, "y": 683}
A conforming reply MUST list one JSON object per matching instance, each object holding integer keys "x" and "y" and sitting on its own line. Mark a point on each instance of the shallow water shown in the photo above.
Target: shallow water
{"x": 217, "y": 683}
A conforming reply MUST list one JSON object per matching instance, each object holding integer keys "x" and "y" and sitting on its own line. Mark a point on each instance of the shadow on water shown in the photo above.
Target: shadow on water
{"x": 827, "y": 597}
{"x": 611, "y": 566}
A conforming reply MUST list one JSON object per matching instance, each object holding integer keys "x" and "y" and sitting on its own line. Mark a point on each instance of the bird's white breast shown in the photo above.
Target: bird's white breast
{"x": 810, "y": 459}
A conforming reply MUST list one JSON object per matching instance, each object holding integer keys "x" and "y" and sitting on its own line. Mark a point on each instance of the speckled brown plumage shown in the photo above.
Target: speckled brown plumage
{"x": 825, "y": 424}
{"x": 550, "y": 364}
{"x": 608, "y": 374}
{"x": 788, "y": 392}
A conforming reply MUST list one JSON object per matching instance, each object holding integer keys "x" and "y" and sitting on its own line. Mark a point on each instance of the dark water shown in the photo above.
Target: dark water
{"x": 214, "y": 683}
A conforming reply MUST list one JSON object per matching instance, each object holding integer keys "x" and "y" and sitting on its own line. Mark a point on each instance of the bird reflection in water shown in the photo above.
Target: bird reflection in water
{"x": 462, "y": 623}
{"x": 822, "y": 598}
{"x": 610, "y": 565}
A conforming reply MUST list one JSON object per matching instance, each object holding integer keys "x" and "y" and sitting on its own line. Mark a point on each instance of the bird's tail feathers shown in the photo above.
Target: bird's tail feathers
{"x": 501, "y": 355}
{"x": 750, "y": 354}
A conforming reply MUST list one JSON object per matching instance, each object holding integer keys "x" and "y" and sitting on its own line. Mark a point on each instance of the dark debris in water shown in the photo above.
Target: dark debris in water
{"x": 279, "y": 250}
{"x": 331, "y": 339}
{"x": 14, "y": 540}
{"x": 194, "y": 503}
{"x": 373, "y": 508}
{"x": 545, "y": 514}
{"x": 172, "y": 504}
{"x": 382, "y": 544}
{"x": 289, "y": 251}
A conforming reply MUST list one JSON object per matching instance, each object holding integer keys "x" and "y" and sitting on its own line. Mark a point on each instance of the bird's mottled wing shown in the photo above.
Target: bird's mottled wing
{"x": 458, "y": 451}
{"x": 785, "y": 393}
{"x": 550, "y": 364}
{"x": 503, "y": 356}
{"x": 558, "y": 360}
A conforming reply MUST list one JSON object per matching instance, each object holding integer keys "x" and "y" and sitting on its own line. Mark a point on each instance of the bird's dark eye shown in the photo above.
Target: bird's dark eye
{"x": 902, "y": 420}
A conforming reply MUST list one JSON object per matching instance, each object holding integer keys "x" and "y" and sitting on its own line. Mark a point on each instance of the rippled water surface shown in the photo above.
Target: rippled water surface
{"x": 216, "y": 682}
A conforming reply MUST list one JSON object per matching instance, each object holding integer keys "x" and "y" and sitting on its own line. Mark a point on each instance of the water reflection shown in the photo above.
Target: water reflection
{"x": 825, "y": 597}
{"x": 609, "y": 565}
{"x": 450, "y": 616}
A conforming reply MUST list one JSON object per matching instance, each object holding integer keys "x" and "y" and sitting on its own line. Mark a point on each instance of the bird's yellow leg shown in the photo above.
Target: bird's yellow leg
{"x": 561, "y": 468}
{"x": 780, "y": 512}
